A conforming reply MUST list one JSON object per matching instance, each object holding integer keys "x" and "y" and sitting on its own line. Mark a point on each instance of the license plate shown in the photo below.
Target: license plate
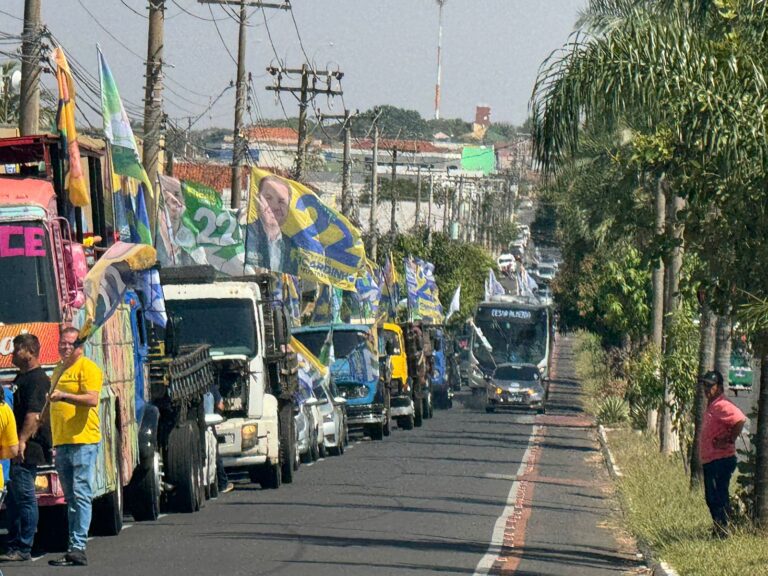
{"x": 227, "y": 439}
{"x": 514, "y": 398}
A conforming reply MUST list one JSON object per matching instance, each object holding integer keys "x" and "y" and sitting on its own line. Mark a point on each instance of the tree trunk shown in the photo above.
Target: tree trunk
{"x": 723, "y": 354}
{"x": 761, "y": 438}
{"x": 706, "y": 363}
{"x": 657, "y": 313}
{"x": 669, "y": 440}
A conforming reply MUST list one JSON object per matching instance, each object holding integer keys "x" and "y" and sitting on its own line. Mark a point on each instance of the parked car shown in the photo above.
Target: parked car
{"x": 516, "y": 386}
{"x": 308, "y": 420}
{"x": 332, "y": 408}
{"x": 544, "y": 273}
{"x": 506, "y": 262}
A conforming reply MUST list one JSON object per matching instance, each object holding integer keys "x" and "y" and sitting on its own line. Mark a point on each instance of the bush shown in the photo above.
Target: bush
{"x": 613, "y": 411}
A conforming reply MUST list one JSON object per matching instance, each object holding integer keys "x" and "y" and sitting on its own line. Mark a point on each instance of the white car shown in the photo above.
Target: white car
{"x": 506, "y": 261}
{"x": 545, "y": 273}
{"x": 309, "y": 424}
{"x": 334, "y": 416}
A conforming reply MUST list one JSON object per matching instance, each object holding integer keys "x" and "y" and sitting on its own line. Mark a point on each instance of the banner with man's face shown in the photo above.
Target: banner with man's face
{"x": 290, "y": 230}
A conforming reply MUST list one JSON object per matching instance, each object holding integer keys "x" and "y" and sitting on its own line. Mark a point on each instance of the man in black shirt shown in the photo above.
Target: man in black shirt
{"x": 31, "y": 386}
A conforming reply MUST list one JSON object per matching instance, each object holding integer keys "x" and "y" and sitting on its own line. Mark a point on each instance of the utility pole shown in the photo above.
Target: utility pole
{"x": 306, "y": 93}
{"x": 241, "y": 90}
{"x": 429, "y": 208}
{"x": 393, "y": 195}
{"x": 348, "y": 199}
{"x": 418, "y": 196}
{"x": 374, "y": 188}
{"x": 29, "y": 105}
{"x": 153, "y": 95}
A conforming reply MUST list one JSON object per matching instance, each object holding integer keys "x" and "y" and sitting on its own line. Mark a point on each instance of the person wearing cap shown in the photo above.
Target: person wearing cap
{"x": 723, "y": 422}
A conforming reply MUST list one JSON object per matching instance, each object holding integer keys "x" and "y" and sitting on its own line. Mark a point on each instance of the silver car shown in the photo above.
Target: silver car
{"x": 516, "y": 386}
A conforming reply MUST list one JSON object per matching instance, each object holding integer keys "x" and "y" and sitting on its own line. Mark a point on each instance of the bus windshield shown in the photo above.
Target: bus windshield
{"x": 518, "y": 336}
{"x": 27, "y": 283}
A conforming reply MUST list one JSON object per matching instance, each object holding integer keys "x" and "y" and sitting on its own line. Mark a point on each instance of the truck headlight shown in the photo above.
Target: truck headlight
{"x": 42, "y": 483}
{"x": 249, "y": 435}
{"x": 499, "y": 391}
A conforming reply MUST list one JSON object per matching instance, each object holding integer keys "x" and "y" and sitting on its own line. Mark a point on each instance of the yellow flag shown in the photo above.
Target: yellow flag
{"x": 65, "y": 122}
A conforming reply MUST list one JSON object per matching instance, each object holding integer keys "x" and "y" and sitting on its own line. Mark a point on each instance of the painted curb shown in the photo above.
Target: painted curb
{"x": 658, "y": 568}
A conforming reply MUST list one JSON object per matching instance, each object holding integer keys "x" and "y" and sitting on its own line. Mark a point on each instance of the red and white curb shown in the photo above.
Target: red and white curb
{"x": 508, "y": 536}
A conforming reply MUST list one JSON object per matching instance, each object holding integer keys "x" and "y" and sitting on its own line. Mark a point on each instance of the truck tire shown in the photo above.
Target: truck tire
{"x": 272, "y": 477}
{"x": 145, "y": 492}
{"x": 406, "y": 422}
{"x": 107, "y": 514}
{"x": 376, "y": 431}
{"x": 418, "y": 416}
{"x": 287, "y": 434}
{"x": 314, "y": 448}
{"x": 387, "y": 412}
{"x": 182, "y": 470}
{"x": 52, "y": 529}
{"x": 428, "y": 410}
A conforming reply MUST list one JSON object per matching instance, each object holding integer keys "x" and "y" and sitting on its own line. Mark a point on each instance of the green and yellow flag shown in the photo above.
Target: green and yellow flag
{"x": 117, "y": 129}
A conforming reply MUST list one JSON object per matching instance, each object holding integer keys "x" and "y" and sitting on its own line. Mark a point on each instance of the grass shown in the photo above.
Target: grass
{"x": 659, "y": 508}
{"x": 674, "y": 521}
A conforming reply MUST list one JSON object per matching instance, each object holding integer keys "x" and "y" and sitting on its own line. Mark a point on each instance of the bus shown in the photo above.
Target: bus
{"x": 510, "y": 330}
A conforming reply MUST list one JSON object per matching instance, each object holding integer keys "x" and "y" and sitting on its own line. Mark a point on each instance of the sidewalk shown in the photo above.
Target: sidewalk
{"x": 566, "y": 521}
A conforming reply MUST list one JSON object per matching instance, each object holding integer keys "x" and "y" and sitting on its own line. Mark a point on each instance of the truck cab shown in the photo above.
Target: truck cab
{"x": 355, "y": 371}
{"x": 402, "y": 409}
{"x": 235, "y": 319}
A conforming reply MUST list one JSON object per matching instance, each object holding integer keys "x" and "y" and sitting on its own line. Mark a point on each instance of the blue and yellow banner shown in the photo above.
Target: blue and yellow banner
{"x": 368, "y": 291}
{"x": 423, "y": 295}
{"x": 106, "y": 283}
{"x": 290, "y": 230}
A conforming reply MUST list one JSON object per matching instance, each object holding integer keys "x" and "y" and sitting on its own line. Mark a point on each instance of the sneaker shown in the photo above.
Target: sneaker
{"x": 73, "y": 558}
{"x": 228, "y": 488}
{"x": 15, "y": 556}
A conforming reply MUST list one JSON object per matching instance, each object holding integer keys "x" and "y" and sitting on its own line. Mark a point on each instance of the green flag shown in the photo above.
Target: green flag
{"x": 117, "y": 129}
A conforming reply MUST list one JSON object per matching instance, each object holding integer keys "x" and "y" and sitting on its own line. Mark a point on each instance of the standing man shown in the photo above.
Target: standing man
{"x": 31, "y": 387}
{"x": 76, "y": 435}
{"x": 722, "y": 424}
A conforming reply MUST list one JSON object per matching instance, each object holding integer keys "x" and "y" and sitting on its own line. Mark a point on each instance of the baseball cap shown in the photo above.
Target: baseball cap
{"x": 712, "y": 377}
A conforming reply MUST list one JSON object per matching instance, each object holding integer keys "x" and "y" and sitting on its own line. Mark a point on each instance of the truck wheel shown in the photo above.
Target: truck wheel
{"x": 377, "y": 432}
{"x": 387, "y": 412}
{"x": 107, "y": 519}
{"x": 145, "y": 492}
{"x": 272, "y": 478}
{"x": 52, "y": 529}
{"x": 314, "y": 448}
{"x": 182, "y": 470}
{"x": 490, "y": 409}
{"x": 287, "y": 435}
{"x": 418, "y": 418}
{"x": 405, "y": 422}
{"x": 321, "y": 451}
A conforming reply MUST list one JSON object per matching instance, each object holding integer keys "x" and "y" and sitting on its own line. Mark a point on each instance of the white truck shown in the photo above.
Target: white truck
{"x": 255, "y": 370}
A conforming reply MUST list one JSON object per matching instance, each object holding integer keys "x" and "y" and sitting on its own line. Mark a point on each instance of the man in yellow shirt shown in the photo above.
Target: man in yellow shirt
{"x": 76, "y": 434}
{"x": 9, "y": 441}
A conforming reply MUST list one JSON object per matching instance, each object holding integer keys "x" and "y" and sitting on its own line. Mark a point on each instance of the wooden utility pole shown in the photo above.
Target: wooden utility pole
{"x": 238, "y": 145}
{"x": 393, "y": 195}
{"x": 29, "y": 110}
{"x": 306, "y": 93}
{"x": 153, "y": 95}
{"x": 372, "y": 228}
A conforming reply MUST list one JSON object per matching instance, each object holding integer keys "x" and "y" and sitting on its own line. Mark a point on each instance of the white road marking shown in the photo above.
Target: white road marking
{"x": 494, "y": 476}
{"x": 497, "y": 538}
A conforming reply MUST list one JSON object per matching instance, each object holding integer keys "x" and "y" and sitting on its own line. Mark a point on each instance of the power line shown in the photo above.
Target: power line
{"x": 231, "y": 57}
{"x": 124, "y": 3}
{"x": 115, "y": 38}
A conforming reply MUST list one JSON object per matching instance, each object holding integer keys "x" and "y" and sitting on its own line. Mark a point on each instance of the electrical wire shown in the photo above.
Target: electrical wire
{"x": 124, "y": 3}
{"x": 115, "y": 38}
{"x": 222, "y": 38}
{"x": 203, "y": 18}
{"x": 12, "y": 15}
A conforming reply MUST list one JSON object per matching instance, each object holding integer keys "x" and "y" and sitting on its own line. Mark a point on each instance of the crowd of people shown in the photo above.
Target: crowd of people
{"x": 61, "y": 413}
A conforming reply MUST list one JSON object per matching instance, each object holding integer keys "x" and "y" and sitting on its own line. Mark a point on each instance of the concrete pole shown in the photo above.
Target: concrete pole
{"x": 29, "y": 113}
{"x": 372, "y": 228}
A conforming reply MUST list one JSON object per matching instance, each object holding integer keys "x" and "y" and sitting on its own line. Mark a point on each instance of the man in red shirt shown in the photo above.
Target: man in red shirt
{"x": 722, "y": 424}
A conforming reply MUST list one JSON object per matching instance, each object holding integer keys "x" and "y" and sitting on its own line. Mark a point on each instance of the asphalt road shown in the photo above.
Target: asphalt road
{"x": 426, "y": 501}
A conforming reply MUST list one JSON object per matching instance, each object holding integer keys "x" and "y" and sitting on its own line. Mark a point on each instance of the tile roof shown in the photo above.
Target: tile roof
{"x": 272, "y": 134}
{"x": 416, "y": 146}
{"x": 215, "y": 175}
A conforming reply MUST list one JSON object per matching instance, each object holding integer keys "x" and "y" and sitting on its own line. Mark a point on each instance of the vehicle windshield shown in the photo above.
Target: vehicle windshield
{"x": 344, "y": 341}
{"x": 391, "y": 336}
{"x": 518, "y": 336}
{"x": 525, "y": 373}
{"x": 546, "y": 271}
{"x": 27, "y": 282}
{"x": 227, "y": 324}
